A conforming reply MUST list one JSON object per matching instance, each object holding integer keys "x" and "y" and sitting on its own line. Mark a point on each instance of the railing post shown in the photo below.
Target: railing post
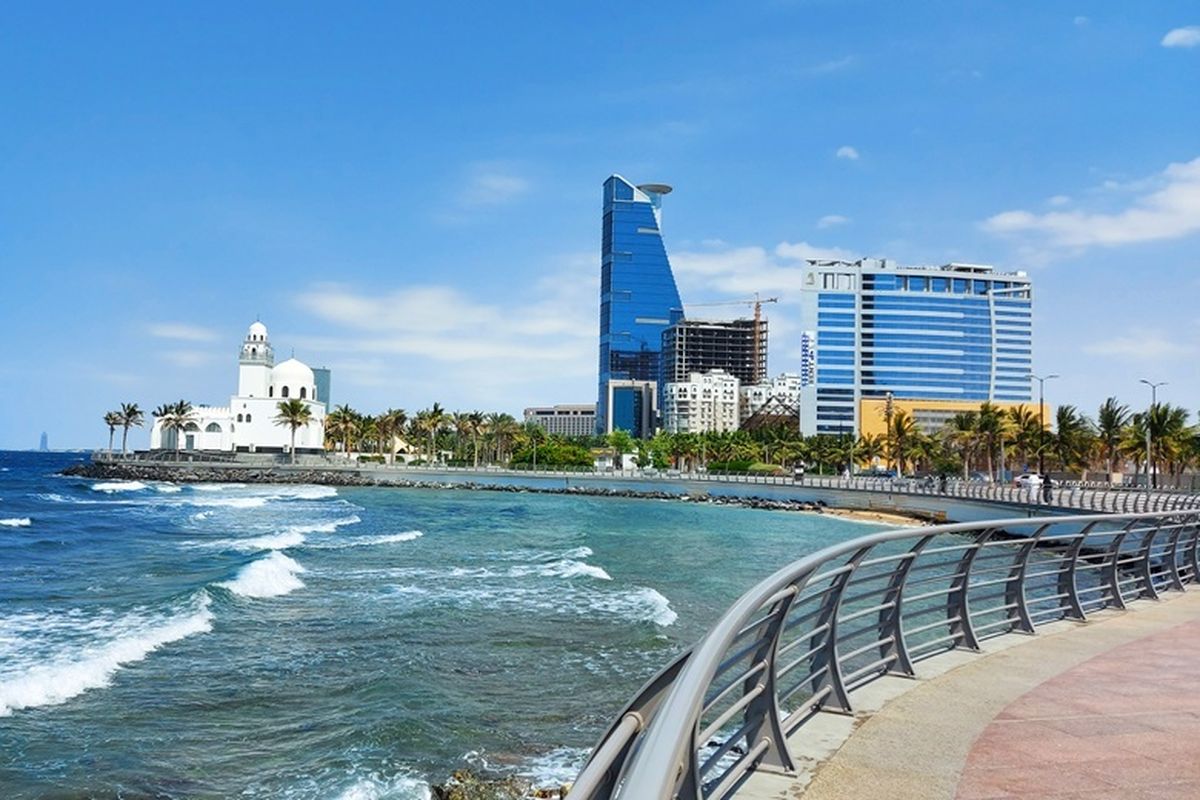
{"x": 958, "y": 608}
{"x": 1068, "y": 579}
{"x": 891, "y": 620}
{"x": 827, "y": 656}
{"x": 1148, "y": 587}
{"x": 1014, "y": 590}
{"x": 1111, "y": 573}
{"x": 1177, "y": 529}
{"x": 765, "y": 708}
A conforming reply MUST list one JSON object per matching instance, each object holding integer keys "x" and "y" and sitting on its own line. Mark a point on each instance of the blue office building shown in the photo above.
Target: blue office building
{"x": 960, "y": 332}
{"x": 638, "y": 301}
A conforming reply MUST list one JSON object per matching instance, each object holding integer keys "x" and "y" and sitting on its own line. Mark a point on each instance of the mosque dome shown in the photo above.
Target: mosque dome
{"x": 257, "y": 333}
{"x": 292, "y": 379}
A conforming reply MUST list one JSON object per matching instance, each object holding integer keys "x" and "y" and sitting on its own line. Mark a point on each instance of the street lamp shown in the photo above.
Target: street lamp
{"x": 1153, "y": 402}
{"x": 1041, "y": 379}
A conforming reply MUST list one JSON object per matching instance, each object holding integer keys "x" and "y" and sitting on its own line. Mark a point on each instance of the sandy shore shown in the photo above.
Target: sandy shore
{"x": 882, "y": 517}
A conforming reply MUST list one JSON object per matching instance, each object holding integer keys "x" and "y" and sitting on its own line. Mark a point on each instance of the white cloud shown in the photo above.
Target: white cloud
{"x": 1081, "y": 22}
{"x": 1141, "y": 343}
{"x": 492, "y": 184}
{"x": 742, "y": 271}
{"x": 1058, "y": 200}
{"x": 833, "y": 65}
{"x": 1170, "y": 209}
{"x": 186, "y": 358}
{"x": 847, "y": 152}
{"x": 181, "y": 331}
{"x": 1188, "y": 36}
{"x": 829, "y": 220}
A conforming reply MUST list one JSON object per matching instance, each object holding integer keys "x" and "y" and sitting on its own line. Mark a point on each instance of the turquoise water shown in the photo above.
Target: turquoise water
{"x": 204, "y": 641}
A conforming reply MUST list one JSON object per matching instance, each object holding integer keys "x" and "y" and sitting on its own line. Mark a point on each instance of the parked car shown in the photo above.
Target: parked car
{"x": 979, "y": 477}
{"x": 1027, "y": 479}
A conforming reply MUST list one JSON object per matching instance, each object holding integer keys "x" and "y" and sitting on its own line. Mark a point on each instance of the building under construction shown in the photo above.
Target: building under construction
{"x": 739, "y": 347}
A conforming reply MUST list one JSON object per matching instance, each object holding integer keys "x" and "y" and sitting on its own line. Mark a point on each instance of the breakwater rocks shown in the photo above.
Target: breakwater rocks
{"x": 215, "y": 473}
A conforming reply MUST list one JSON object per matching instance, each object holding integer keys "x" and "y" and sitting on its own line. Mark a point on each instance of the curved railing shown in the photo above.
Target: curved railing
{"x": 808, "y": 637}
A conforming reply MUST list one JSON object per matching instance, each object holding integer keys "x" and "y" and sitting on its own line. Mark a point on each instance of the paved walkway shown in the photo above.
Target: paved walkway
{"x": 1106, "y": 709}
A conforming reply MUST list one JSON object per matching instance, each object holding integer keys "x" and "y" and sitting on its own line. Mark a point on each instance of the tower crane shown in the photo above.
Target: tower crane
{"x": 757, "y": 302}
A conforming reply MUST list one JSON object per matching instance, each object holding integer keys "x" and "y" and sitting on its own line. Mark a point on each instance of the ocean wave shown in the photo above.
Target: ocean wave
{"x": 215, "y": 487}
{"x": 44, "y": 682}
{"x": 229, "y": 502}
{"x": 271, "y": 576}
{"x": 167, "y": 488}
{"x": 112, "y": 487}
{"x": 366, "y": 541}
{"x": 556, "y": 768}
{"x": 563, "y": 568}
{"x": 325, "y": 527}
{"x": 649, "y": 605}
{"x": 275, "y": 541}
{"x": 375, "y": 787}
{"x": 579, "y": 552}
{"x": 16, "y": 522}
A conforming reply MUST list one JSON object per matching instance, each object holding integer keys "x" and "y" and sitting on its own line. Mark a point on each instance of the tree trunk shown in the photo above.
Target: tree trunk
{"x": 124, "y": 437}
{"x": 111, "y": 433}
{"x": 293, "y": 444}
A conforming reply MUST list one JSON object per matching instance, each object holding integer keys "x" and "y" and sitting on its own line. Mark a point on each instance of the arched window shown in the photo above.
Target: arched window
{"x": 303, "y": 390}
{"x": 192, "y": 428}
{"x": 283, "y": 392}
{"x": 253, "y": 351}
{"x": 239, "y": 417}
{"x": 212, "y": 428}
{"x": 247, "y": 418}
{"x": 270, "y": 391}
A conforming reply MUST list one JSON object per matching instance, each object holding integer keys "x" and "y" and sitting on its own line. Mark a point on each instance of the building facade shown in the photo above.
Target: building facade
{"x": 248, "y": 424}
{"x": 778, "y": 396}
{"x": 738, "y": 347}
{"x": 638, "y": 295}
{"x": 324, "y": 382}
{"x": 960, "y": 332}
{"x": 633, "y": 407}
{"x": 565, "y": 420}
{"x": 930, "y": 416}
{"x": 707, "y": 401}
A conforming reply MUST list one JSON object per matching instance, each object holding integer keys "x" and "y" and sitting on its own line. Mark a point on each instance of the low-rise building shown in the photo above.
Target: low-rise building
{"x": 707, "y": 401}
{"x": 780, "y": 395}
{"x": 571, "y": 419}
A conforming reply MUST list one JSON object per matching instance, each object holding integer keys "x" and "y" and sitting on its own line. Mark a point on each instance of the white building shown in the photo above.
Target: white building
{"x": 248, "y": 424}
{"x": 782, "y": 392}
{"x": 707, "y": 401}
{"x": 568, "y": 419}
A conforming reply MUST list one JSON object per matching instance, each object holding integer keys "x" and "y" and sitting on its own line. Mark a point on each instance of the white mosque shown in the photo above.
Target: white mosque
{"x": 247, "y": 424}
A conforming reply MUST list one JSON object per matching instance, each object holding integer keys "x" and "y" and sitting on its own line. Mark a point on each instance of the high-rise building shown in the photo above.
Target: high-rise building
{"x": 565, "y": 420}
{"x": 633, "y": 407}
{"x": 960, "y": 332}
{"x": 707, "y": 401}
{"x": 638, "y": 296}
{"x": 324, "y": 379}
{"x": 738, "y": 347}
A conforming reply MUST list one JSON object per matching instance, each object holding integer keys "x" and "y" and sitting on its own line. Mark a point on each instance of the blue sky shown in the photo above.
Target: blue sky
{"x": 410, "y": 194}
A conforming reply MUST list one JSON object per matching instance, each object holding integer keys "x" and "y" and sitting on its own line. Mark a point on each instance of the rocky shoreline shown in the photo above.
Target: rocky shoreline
{"x": 220, "y": 474}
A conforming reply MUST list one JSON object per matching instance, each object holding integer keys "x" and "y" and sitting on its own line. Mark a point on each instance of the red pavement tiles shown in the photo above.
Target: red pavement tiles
{"x": 1125, "y": 724}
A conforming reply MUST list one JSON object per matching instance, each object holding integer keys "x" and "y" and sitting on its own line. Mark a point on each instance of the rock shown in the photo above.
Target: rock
{"x": 467, "y": 785}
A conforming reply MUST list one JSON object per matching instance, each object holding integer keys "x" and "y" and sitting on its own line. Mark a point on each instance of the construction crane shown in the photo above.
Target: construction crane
{"x": 757, "y": 302}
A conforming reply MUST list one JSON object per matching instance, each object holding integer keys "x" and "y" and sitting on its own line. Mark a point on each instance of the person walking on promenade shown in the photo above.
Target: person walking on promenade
{"x": 1047, "y": 487}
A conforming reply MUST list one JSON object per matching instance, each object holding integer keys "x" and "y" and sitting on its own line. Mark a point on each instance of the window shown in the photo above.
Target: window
{"x": 253, "y": 351}
{"x": 212, "y": 427}
{"x": 271, "y": 391}
{"x": 247, "y": 418}
{"x": 303, "y": 392}
{"x": 283, "y": 392}
{"x": 239, "y": 417}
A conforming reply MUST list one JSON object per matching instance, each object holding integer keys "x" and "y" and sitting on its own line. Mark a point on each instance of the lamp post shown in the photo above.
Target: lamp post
{"x": 1149, "y": 444}
{"x": 1041, "y": 379}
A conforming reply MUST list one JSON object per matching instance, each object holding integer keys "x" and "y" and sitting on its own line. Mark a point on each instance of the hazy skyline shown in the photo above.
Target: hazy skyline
{"x": 412, "y": 197}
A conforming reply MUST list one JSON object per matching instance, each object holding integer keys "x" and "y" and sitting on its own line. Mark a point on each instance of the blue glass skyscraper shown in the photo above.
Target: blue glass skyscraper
{"x": 638, "y": 300}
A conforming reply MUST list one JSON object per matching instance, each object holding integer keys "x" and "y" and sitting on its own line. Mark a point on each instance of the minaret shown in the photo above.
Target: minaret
{"x": 254, "y": 365}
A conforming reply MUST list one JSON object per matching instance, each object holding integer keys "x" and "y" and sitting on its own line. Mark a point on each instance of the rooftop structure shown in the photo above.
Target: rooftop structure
{"x": 738, "y": 347}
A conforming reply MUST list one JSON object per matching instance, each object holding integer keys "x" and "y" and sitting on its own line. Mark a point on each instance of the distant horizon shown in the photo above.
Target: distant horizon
{"x": 432, "y": 234}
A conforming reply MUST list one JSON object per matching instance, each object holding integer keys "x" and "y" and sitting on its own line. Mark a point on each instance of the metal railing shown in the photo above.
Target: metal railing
{"x": 804, "y": 640}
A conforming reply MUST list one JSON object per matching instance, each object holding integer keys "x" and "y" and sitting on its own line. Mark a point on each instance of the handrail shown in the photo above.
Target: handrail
{"x": 801, "y": 642}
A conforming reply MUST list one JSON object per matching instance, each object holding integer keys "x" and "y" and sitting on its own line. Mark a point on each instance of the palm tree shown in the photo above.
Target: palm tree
{"x": 343, "y": 422}
{"x": 962, "y": 433}
{"x": 902, "y": 437}
{"x": 870, "y": 448}
{"x": 175, "y": 417}
{"x": 433, "y": 420}
{"x": 295, "y": 414}
{"x": 389, "y": 424}
{"x": 131, "y": 417}
{"x": 1072, "y": 439}
{"x": 1110, "y": 422}
{"x": 501, "y": 428}
{"x": 475, "y": 421}
{"x": 534, "y": 433}
{"x": 113, "y": 420}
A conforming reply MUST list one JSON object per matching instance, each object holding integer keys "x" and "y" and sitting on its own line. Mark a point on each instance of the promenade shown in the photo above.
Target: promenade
{"x": 1103, "y": 709}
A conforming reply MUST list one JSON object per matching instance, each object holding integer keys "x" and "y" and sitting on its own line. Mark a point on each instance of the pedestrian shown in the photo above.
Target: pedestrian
{"x": 1047, "y": 486}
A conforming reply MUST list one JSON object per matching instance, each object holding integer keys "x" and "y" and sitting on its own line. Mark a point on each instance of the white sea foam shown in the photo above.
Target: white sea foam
{"x": 563, "y": 568}
{"x": 642, "y": 604}
{"x": 215, "y": 487}
{"x": 271, "y": 576}
{"x": 376, "y": 787}
{"x": 579, "y": 552}
{"x": 167, "y": 488}
{"x": 325, "y": 527}
{"x": 276, "y": 541}
{"x": 201, "y": 515}
{"x": 111, "y": 487}
{"x": 366, "y": 541}
{"x": 556, "y": 768}
{"x": 50, "y": 681}
{"x": 229, "y": 502}
{"x": 16, "y": 522}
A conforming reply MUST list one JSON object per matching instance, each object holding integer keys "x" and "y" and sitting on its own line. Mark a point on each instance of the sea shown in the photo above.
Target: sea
{"x": 176, "y": 640}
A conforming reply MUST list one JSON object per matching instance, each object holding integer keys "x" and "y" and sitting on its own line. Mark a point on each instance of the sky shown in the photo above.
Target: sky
{"x": 410, "y": 194}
